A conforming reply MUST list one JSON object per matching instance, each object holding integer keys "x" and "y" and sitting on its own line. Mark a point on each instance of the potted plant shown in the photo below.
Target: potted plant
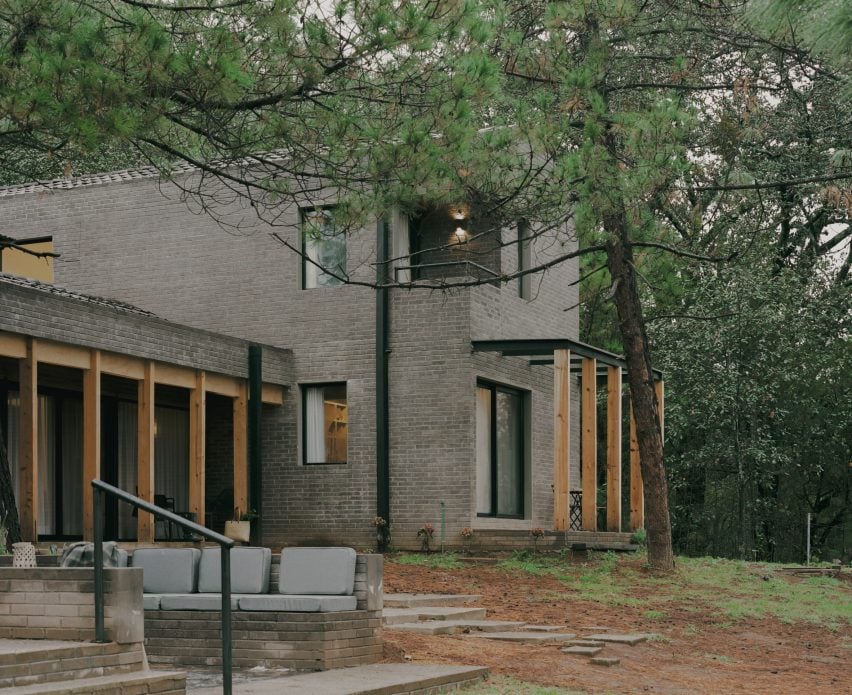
{"x": 425, "y": 534}
{"x": 467, "y": 536}
{"x": 239, "y": 529}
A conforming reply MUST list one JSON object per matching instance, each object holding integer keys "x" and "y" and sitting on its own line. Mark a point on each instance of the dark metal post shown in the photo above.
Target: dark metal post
{"x": 382, "y": 377}
{"x": 226, "y": 620}
{"x": 255, "y": 414}
{"x": 98, "y": 522}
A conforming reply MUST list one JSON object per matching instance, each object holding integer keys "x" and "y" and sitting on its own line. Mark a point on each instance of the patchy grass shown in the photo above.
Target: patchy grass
{"x": 731, "y": 589}
{"x": 438, "y": 561}
{"x": 502, "y": 685}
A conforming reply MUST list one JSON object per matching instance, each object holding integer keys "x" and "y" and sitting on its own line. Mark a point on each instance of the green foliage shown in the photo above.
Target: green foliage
{"x": 442, "y": 561}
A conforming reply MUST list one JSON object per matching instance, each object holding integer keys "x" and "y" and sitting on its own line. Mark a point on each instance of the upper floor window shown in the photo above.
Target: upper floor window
{"x": 323, "y": 250}
{"x": 16, "y": 261}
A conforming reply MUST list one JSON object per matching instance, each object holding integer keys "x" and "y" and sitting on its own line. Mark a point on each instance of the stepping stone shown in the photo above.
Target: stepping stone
{"x": 427, "y": 627}
{"x": 452, "y": 627}
{"x": 605, "y": 661}
{"x": 544, "y": 628}
{"x": 585, "y": 643}
{"x": 391, "y": 616}
{"x": 526, "y": 637}
{"x": 581, "y": 651}
{"x": 619, "y": 639}
{"x": 432, "y": 600}
{"x": 484, "y": 625}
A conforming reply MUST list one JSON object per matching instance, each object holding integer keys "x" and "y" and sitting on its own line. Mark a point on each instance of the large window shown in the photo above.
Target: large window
{"x": 323, "y": 249}
{"x": 499, "y": 451}
{"x": 325, "y": 424}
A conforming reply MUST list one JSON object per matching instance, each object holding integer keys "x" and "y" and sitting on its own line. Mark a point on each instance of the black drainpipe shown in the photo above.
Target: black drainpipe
{"x": 382, "y": 355}
{"x": 255, "y": 413}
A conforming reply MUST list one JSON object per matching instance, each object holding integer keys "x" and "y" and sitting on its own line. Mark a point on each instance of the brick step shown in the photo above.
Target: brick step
{"x": 138, "y": 683}
{"x": 453, "y": 627}
{"x": 430, "y": 600}
{"x": 394, "y": 616}
{"x": 28, "y": 662}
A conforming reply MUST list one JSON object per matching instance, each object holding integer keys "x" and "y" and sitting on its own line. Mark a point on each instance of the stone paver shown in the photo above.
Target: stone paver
{"x": 619, "y": 639}
{"x": 426, "y": 627}
{"x": 452, "y": 627}
{"x": 605, "y": 661}
{"x": 377, "y": 679}
{"x": 585, "y": 643}
{"x": 535, "y": 637}
{"x": 391, "y": 616}
{"x": 414, "y": 600}
{"x": 585, "y": 650}
{"x": 544, "y": 628}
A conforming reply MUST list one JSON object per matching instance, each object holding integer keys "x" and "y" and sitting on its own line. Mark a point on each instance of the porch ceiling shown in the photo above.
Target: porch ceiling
{"x": 540, "y": 350}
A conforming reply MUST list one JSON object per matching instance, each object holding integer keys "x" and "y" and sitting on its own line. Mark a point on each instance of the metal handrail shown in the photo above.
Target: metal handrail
{"x": 101, "y": 489}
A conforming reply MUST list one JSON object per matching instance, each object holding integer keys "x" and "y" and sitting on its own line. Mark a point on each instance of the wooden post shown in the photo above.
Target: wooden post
{"x": 659, "y": 386}
{"x": 241, "y": 482}
{"x": 637, "y": 501}
{"x": 197, "y": 427}
{"x": 91, "y": 438}
{"x": 145, "y": 452}
{"x": 561, "y": 438}
{"x": 28, "y": 461}
{"x": 613, "y": 449}
{"x": 589, "y": 459}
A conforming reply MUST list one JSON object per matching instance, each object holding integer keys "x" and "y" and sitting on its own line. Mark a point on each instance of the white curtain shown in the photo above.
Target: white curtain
{"x": 127, "y": 468}
{"x": 314, "y": 425}
{"x": 72, "y": 467}
{"x": 46, "y": 465}
{"x": 13, "y": 438}
{"x": 483, "y": 450}
{"x": 171, "y": 456}
{"x": 400, "y": 246}
{"x": 312, "y": 271}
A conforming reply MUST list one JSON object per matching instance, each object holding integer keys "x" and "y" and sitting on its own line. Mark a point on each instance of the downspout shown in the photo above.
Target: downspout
{"x": 382, "y": 358}
{"x": 255, "y": 413}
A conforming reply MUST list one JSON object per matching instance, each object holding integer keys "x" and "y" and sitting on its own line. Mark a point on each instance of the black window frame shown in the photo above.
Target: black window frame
{"x": 496, "y": 388}
{"x": 304, "y": 405}
{"x": 303, "y": 249}
{"x": 524, "y": 260}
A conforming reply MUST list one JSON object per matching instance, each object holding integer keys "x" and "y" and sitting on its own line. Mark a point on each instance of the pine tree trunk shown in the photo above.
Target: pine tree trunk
{"x": 643, "y": 396}
{"x": 8, "y": 507}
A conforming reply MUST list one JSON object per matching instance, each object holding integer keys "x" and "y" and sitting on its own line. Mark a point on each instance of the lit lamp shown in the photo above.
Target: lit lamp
{"x": 459, "y": 213}
{"x": 461, "y": 233}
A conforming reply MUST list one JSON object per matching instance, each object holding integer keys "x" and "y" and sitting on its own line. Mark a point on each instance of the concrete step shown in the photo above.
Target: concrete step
{"x": 377, "y": 679}
{"x": 632, "y": 639}
{"x": 433, "y": 600}
{"x": 585, "y": 650}
{"x": 526, "y": 637}
{"x": 29, "y": 662}
{"x": 395, "y": 616}
{"x": 453, "y": 627}
{"x": 137, "y": 683}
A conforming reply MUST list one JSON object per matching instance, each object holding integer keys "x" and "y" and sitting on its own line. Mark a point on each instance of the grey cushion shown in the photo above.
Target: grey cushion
{"x": 168, "y": 570}
{"x": 317, "y": 571}
{"x": 151, "y": 602}
{"x": 249, "y": 570}
{"x": 194, "y": 602}
{"x": 298, "y": 604}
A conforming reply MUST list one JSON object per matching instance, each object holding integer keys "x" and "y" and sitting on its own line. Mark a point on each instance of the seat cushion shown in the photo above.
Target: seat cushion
{"x": 297, "y": 604}
{"x": 194, "y": 602}
{"x": 249, "y": 570}
{"x": 168, "y": 570}
{"x": 317, "y": 571}
{"x": 151, "y": 602}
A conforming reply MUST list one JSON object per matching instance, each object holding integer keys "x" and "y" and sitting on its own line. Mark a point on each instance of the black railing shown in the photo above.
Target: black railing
{"x": 101, "y": 489}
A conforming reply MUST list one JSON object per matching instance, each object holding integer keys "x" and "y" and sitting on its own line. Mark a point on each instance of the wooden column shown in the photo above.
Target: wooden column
{"x": 145, "y": 452}
{"x": 561, "y": 438}
{"x": 241, "y": 482}
{"x": 91, "y": 438}
{"x": 197, "y": 427}
{"x": 613, "y": 449}
{"x": 28, "y": 461}
{"x": 637, "y": 502}
{"x": 589, "y": 458}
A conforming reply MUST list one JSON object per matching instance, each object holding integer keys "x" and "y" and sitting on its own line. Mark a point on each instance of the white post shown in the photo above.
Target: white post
{"x": 808, "y": 542}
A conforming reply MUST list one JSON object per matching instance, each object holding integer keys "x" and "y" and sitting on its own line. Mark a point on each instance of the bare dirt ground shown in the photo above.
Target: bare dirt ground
{"x": 698, "y": 651}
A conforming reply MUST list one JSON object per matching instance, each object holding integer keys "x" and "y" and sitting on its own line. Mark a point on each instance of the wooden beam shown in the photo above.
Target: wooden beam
{"x": 659, "y": 386}
{"x": 613, "y": 449}
{"x": 13, "y": 345}
{"x": 91, "y": 438}
{"x": 184, "y": 377}
{"x": 197, "y": 427}
{"x": 589, "y": 458}
{"x": 561, "y": 438}
{"x": 63, "y": 355}
{"x": 145, "y": 452}
{"x": 241, "y": 472}
{"x": 637, "y": 502}
{"x": 123, "y": 366}
{"x": 28, "y": 456}
{"x": 272, "y": 394}
{"x": 223, "y": 385}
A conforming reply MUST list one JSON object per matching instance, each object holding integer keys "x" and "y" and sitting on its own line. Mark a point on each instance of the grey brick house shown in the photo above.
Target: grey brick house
{"x": 424, "y": 405}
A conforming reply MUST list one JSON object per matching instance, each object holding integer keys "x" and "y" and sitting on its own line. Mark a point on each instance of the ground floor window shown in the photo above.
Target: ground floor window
{"x": 325, "y": 424}
{"x": 499, "y": 451}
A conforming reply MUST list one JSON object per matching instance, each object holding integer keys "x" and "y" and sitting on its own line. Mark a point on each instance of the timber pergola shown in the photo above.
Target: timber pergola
{"x": 591, "y": 364}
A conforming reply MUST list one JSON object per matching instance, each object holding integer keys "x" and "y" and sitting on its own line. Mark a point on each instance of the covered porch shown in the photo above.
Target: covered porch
{"x": 596, "y": 372}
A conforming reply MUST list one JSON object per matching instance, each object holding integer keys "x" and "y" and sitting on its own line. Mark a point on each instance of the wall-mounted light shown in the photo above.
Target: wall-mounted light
{"x": 461, "y": 234}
